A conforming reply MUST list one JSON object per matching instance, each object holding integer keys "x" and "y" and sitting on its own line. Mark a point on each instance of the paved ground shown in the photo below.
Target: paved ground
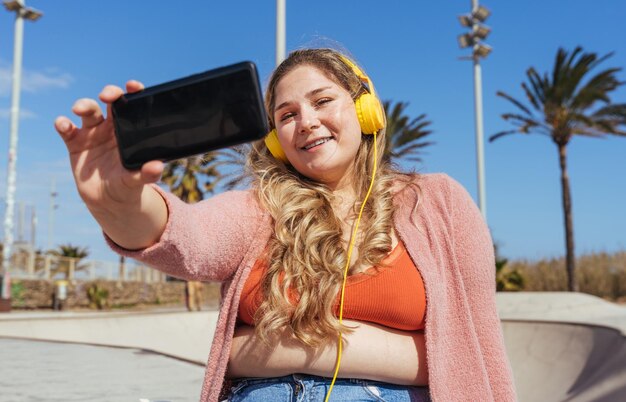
{"x": 34, "y": 371}
{"x": 562, "y": 347}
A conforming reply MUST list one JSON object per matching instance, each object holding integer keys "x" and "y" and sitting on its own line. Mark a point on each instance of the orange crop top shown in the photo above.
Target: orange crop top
{"x": 393, "y": 297}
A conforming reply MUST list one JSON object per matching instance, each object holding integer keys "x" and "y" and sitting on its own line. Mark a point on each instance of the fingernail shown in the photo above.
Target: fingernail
{"x": 64, "y": 126}
{"x": 78, "y": 105}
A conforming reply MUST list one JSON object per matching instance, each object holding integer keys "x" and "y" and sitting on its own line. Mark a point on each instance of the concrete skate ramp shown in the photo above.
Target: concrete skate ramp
{"x": 566, "y": 362}
{"x": 569, "y": 347}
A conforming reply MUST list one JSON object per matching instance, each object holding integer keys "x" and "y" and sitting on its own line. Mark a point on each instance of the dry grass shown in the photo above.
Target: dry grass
{"x": 599, "y": 274}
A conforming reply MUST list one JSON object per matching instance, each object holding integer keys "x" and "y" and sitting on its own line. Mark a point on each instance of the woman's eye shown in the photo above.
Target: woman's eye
{"x": 286, "y": 116}
{"x": 322, "y": 101}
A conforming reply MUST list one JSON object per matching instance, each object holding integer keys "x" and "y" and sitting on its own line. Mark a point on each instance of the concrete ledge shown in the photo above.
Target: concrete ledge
{"x": 178, "y": 334}
{"x": 570, "y": 307}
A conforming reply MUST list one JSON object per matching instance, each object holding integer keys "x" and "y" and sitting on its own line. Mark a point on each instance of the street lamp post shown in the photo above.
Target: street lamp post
{"x": 478, "y": 32}
{"x": 21, "y": 13}
{"x": 280, "y": 31}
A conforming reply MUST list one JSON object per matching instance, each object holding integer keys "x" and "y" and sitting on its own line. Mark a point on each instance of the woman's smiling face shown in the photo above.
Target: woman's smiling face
{"x": 317, "y": 125}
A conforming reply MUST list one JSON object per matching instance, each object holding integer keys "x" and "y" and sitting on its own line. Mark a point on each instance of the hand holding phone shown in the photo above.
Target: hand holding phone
{"x": 192, "y": 115}
{"x": 127, "y": 209}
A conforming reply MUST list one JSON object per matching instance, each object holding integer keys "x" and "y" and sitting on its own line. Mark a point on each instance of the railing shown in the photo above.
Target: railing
{"x": 29, "y": 265}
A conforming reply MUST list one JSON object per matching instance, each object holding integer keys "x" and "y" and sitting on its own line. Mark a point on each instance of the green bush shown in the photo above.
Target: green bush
{"x": 507, "y": 279}
{"x": 17, "y": 294}
{"x": 98, "y": 297}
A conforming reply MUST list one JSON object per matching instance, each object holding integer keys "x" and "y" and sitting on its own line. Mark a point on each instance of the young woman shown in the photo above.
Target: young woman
{"x": 418, "y": 314}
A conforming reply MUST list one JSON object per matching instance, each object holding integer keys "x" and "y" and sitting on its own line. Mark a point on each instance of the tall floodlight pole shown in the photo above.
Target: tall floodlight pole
{"x": 280, "y": 31}
{"x": 21, "y": 13}
{"x": 478, "y": 32}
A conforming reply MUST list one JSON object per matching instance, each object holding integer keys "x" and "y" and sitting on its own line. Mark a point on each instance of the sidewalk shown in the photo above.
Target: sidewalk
{"x": 34, "y": 371}
{"x": 138, "y": 368}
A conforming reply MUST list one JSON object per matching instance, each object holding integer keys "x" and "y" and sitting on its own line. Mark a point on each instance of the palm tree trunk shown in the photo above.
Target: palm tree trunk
{"x": 570, "y": 262}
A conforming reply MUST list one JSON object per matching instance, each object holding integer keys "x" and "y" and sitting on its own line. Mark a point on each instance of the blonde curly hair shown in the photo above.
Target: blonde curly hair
{"x": 306, "y": 255}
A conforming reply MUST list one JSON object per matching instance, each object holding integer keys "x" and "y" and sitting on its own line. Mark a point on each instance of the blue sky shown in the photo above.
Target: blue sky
{"x": 408, "y": 48}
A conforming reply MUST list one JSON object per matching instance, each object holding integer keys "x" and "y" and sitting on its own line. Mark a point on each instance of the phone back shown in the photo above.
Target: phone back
{"x": 193, "y": 115}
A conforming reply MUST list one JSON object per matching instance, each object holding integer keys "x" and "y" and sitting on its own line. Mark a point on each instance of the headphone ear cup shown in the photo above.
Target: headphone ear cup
{"x": 272, "y": 143}
{"x": 370, "y": 113}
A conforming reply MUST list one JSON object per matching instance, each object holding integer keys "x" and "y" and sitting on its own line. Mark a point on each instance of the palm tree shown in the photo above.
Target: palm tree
{"x": 563, "y": 105}
{"x": 182, "y": 176}
{"x": 231, "y": 165}
{"x": 67, "y": 253}
{"x": 405, "y": 136}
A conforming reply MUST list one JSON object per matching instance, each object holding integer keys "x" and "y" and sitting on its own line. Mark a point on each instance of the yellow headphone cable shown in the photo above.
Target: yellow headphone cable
{"x": 345, "y": 273}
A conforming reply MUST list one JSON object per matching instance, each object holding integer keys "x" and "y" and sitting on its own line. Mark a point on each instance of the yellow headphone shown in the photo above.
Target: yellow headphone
{"x": 368, "y": 109}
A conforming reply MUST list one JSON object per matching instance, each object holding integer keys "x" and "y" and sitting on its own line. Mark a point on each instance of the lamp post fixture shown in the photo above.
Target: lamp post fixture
{"x": 21, "y": 12}
{"x": 478, "y": 32}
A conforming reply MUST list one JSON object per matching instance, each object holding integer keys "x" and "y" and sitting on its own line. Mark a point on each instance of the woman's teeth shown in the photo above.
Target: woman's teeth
{"x": 318, "y": 142}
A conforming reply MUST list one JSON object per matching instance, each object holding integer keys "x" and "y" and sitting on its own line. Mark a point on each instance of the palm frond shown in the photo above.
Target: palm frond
{"x": 525, "y": 124}
{"x": 565, "y": 98}
{"x": 404, "y": 136}
{"x": 538, "y": 92}
{"x": 514, "y": 101}
{"x": 231, "y": 164}
{"x": 616, "y": 111}
{"x": 181, "y": 176}
{"x": 531, "y": 98}
{"x": 596, "y": 89}
{"x": 570, "y": 76}
{"x": 495, "y": 136}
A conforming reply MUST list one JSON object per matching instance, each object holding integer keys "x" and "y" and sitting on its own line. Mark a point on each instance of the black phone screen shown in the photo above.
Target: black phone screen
{"x": 193, "y": 115}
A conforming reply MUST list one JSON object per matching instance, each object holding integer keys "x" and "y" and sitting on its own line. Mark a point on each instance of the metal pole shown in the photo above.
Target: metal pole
{"x": 20, "y": 221}
{"x": 480, "y": 156}
{"x": 11, "y": 171}
{"x": 53, "y": 206}
{"x": 280, "y": 31}
{"x": 478, "y": 110}
{"x": 33, "y": 228}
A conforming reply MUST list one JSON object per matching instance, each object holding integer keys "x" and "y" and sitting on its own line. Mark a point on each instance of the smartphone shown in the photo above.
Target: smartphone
{"x": 189, "y": 116}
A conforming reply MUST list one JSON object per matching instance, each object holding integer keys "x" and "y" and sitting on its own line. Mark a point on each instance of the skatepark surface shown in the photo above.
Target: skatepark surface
{"x": 562, "y": 346}
{"x": 565, "y": 346}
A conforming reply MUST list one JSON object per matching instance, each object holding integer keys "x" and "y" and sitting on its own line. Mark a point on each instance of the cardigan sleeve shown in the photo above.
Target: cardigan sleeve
{"x": 474, "y": 252}
{"x": 204, "y": 241}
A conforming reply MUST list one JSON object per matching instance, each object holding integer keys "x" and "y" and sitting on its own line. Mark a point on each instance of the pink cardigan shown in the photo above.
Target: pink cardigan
{"x": 219, "y": 239}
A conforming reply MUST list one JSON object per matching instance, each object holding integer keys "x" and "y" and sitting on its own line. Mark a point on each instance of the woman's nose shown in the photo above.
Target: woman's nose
{"x": 309, "y": 120}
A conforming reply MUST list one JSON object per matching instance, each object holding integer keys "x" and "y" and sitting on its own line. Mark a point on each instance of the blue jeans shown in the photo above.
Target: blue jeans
{"x": 310, "y": 388}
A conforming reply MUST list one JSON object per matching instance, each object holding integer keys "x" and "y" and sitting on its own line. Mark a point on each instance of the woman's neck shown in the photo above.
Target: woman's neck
{"x": 343, "y": 203}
